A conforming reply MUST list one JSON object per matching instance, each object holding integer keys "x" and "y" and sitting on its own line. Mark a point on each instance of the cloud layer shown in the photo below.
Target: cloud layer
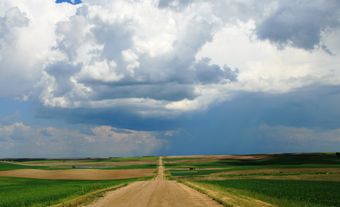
{"x": 299, "y": 138}
{"x": 21, "y": 140}
{"x": 300, "y": 23}
{"x": 148, "y": 57}
{"x": 11, "y": 24}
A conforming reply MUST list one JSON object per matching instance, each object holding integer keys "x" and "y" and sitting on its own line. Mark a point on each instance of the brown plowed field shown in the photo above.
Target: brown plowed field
{"x": 78, "y": 174}
{"x": 88, "y": 163}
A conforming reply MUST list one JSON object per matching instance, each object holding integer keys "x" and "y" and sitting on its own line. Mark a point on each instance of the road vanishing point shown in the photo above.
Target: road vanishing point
{"x": 157, "y": 192}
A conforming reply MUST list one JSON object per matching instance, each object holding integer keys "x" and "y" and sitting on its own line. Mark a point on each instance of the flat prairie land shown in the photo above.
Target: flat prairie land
{"x": 89, "y": 163}
{"x": 20, "y": 192}
{"x": 175, "y": 181}
{"x": 86, "y": 169}
{"x": 35, "y": 183}
{"x": 276, "y": 180}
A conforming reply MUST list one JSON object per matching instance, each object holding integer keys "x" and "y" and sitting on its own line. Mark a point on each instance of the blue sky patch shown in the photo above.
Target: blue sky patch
{"x": 74, "y": 2}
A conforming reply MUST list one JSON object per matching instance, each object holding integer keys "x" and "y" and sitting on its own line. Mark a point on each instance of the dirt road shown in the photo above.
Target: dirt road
{"x": 158, "y": 192}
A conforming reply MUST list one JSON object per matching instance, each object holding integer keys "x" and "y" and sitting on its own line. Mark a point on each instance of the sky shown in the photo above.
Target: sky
{"x": 101, "y": 78}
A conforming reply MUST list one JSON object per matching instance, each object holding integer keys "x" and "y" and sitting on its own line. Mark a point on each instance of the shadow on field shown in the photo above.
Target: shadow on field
{"x": 286, "y": 159}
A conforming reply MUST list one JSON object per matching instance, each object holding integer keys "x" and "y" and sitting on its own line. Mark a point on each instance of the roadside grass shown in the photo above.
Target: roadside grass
{"x": 225, "y": 198}
{"x": 88, "y": 197}
{"x": 284, "y": 193}
{"x": 22, "y": 192}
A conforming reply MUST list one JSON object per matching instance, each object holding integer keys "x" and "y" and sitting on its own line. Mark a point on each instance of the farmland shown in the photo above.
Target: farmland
{"x": 232, "y": 180}
{"x": 285, "y": 192}
{"x": 41, "y": 192}
{"x": 89, "y": 163}
{"x": 263, "y": 180}
{"x": 46, "y": 182}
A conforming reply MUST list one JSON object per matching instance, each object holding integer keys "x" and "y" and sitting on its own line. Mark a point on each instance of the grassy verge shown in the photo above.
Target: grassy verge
{"x": 87, "y": 198}
{"x": 215, "y": 195}
{"x": 35, "y": 192}
{"x": 226, "y": 198}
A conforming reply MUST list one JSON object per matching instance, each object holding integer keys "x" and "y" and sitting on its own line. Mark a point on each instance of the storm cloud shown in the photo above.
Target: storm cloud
{"x": 300, "y": 24}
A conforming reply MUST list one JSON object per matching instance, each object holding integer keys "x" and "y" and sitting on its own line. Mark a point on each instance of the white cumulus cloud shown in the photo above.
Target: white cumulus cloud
{"x": 160, "y": 57}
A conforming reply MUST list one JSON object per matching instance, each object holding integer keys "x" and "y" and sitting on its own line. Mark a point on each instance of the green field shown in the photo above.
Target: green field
{"x": 281, "y": 180}
{"x": 285, "y": 192}
{"x": 11, "y": 166}
{"x": 17, "y": 192}
{"x": 26, "y": 192}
